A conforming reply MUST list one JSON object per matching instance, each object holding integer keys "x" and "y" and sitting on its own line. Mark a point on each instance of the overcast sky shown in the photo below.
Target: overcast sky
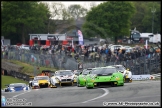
{"x": 82, "y": 3}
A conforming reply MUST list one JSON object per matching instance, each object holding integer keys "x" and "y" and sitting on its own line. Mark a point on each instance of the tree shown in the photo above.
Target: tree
{"x": 22, "y": 18}
{"x": 77, "y": 11}
{"x": 143, "y": 17}
{"x": 109, "y": 19}
{"x": 60, "y": 17}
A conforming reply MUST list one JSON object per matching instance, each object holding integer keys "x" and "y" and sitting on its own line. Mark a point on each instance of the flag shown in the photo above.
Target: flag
{"x": 2, "y": 42}
{"x": 146, "y": 44}
{"x": 80, "y": 37}
{"x": 72, "y": 43}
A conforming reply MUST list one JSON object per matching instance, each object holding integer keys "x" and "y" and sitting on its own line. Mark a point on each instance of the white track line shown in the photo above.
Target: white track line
{"x": 21, "y": 93}
{"x": 106, "y": 92}
{"x": 127, "y": 98}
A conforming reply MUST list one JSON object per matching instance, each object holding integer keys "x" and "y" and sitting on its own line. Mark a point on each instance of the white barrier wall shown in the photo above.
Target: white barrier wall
{"x": 142, "y": 77}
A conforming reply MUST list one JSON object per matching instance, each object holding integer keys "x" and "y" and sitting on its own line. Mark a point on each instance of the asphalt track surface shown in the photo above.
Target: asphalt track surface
{"x": 137, "y": 91}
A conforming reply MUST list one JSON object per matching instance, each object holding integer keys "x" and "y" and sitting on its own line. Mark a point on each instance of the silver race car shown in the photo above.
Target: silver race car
{"x": 63, "y": 77}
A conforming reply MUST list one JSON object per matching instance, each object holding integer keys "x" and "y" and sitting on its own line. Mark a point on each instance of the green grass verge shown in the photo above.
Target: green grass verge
{"x": 9, "y": 79}
{"x": 28, "y": 68}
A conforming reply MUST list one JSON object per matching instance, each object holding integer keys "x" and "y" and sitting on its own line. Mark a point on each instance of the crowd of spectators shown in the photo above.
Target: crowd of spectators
{"x": 96, "y": 53}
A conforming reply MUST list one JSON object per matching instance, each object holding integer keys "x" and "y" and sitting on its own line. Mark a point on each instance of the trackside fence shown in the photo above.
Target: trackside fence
{"x": 141, "y": 65}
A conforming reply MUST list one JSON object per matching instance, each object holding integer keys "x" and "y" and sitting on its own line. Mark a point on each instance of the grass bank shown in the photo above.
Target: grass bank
{"x": 9, "y": 79}
{"x": 28, "y": 68}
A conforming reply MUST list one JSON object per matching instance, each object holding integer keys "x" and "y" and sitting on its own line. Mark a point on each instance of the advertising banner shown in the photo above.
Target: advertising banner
{"x": 141, "y": 77}
{"x": 80, "y": 35}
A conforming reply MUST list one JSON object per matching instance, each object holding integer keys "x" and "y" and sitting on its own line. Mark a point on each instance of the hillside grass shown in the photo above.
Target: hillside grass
{"x": 9, "y": 79}
{"x": 29, "y": 68}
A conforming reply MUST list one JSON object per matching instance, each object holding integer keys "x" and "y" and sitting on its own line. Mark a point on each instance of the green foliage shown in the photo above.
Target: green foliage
{"x": 29, "y": 68}
{"x": 143, "y": 17}
{"x": 22, "y": 18}
{"x": 9, "y": 79}
{"x": 77, "y": 11}
{"x": 111, "y": 18}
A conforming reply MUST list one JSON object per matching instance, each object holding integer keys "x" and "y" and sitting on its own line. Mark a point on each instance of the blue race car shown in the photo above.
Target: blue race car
{"x": 14, "y": 87}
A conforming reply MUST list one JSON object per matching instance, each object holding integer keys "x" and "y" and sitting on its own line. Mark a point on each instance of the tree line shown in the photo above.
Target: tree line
{"x": 110, "y": 19}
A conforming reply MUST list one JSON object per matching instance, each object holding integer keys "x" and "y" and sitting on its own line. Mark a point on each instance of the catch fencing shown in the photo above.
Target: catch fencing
{"x": 138, "y": 66}
{"x": 39, "y": 58}
{"x": 60, "y": 60}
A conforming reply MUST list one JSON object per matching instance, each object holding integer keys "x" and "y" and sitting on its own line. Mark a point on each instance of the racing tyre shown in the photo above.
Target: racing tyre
{"x": 78, "y": 85}
{"x": 113, "y": 85}
{"x": 122, "y": 84}
{"x": 89, "y": 87}
{"x": 127, "y": 80}
{"x": 74, "y": 84}
{"x": 6, "y": 90}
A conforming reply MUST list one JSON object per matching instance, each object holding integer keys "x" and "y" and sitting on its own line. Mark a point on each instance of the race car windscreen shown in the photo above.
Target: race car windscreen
{"x": 16, "y": 85}
{"x": 104, "y": 71}
{"x": 85, "y": 72}
{"x": 41, "y": 78}
{"x": 120, "y": 68}
{"x": 62, "y": 73}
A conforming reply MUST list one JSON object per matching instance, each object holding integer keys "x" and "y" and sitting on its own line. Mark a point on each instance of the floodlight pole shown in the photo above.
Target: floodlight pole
{"x": 153, "y": 10}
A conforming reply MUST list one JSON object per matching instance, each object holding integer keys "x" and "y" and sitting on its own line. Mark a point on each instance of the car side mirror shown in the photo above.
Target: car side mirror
{"x": 80, "y": 73}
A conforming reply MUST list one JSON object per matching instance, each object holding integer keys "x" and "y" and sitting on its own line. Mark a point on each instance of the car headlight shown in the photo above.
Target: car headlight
{"x": 93, "y": 76}
{"x": 24, "y": 88}
{"x": 35, "y": 83}
{"x": 57, "y": 79}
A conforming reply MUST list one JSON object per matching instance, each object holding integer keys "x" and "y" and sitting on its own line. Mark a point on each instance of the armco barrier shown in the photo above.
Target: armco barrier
{"x": 18, "y": 75}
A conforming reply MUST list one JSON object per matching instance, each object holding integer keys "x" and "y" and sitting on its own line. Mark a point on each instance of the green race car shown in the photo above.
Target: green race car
{"x": 81, "y": 80}
{"x": 104, "y": 76}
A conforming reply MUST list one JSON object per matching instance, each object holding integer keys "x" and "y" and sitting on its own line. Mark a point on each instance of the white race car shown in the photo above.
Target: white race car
{"x": 126, "y": 73}
{"x": 63, "y": 77}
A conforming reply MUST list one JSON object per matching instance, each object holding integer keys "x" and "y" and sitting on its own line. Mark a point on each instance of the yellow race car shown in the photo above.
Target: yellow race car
{"x": 41, "y": 82}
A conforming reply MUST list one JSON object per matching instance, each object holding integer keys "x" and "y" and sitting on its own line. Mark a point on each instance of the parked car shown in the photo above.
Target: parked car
{"x": 113, "y": 47}
{"x": 26, "y": 47}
